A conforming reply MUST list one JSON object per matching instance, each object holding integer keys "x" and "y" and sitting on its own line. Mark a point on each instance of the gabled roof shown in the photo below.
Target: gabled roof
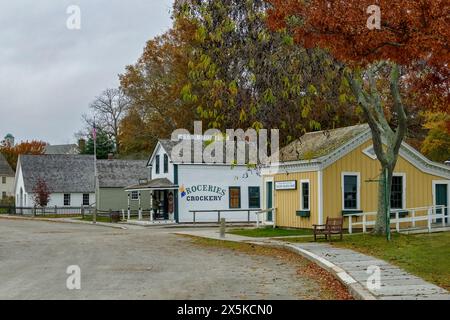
{"x": 318, "y": 144}
{"x": 75, "y": 173}
{"x": 121, "y": 173}
{"x": 317, "y": 150}
{"x": 5, "y": 168}
{"x": 157, "y": 184}
{"x": 62, "y": 173}
{"x": 62, "y": 149}
{"x": 169, "y": 145}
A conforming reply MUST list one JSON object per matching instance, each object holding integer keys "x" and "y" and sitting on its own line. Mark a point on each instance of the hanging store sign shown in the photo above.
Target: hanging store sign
{"x": 286, "y": 185}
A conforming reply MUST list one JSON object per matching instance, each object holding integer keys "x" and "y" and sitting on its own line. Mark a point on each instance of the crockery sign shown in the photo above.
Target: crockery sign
{"x": 286, "y": 185}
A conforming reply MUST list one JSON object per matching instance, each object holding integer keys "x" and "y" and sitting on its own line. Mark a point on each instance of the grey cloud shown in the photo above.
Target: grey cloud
{"x": 49, "y": 74}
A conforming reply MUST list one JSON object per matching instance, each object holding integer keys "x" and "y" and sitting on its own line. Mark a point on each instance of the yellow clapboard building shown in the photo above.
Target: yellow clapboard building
{"x": 334, "y": 173}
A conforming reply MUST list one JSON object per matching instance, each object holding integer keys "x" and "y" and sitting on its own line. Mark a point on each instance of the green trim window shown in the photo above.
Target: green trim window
{"x": 254, "y": 197}
{"x": 86, "y": 199}
{"x": 305, "y": 195}
{"x": 67, "y": 199}
{"x": 350, "y": 192}
{"x": 134, "y": 195}
{"x": 235, "y": 197}
{"x": 157, "y": 160}
{"x": 397, "y": 192}
{"x": 166, "y": 163}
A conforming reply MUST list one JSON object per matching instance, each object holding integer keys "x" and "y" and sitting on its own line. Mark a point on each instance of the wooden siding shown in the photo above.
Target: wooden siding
{"x": 419, "y": 187}
{"x": 287, "y": 202}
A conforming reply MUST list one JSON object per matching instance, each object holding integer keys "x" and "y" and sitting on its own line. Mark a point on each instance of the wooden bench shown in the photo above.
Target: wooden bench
{"x": 333, "y": 226}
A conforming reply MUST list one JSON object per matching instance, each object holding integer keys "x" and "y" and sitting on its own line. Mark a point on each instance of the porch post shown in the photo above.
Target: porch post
{"x": 140, "y": 208}
{"x": 151, "y": 205}
{"x": 129, "y": 208}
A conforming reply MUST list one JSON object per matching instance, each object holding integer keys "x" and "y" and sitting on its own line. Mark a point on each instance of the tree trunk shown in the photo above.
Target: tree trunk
{"x": 384, "y": 196}
{"x": 386, "y": 141}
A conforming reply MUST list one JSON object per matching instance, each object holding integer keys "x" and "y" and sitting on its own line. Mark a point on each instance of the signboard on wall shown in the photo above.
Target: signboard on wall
{"x": 286, "y": 185}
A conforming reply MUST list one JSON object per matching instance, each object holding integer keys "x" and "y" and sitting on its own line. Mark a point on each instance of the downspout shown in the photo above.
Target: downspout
{"x": 320, "y": 197}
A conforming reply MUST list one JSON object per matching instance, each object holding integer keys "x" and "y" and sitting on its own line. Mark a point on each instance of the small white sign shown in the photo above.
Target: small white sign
{"x": 286, "y": 185}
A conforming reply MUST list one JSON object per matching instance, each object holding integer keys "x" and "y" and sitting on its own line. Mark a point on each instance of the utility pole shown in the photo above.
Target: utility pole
{"x": 94, "y": 137}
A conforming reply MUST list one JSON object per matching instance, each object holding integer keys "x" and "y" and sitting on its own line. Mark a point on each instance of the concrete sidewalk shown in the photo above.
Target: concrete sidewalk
{"x": 351, "y": 268}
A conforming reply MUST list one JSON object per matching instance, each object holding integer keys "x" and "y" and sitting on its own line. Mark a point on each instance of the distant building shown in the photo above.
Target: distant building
{"x": 6, "y": 179}
{"x": 9, "y": 140}
{"x": 62, "y": 149}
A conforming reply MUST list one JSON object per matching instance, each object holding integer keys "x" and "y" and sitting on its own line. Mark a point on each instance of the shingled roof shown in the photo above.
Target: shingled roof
{"x": 5, "y": 168}
{"x": 168, "y": 146}
{"x": 62, "y": 173}
{"x": 314, "y": 145}
{"x": 121, "y": 173}
{"x": 75, "y": 173}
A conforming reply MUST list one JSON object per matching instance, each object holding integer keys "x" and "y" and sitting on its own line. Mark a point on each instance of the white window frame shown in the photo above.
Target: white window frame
{"x": 133, "y": 193}
{"x": 82, "y": 199}
{"x": 403, "y": 175}
{"x": 358, "y": 190}
{"x": 64, "y": 199}
{"x": 433, "y": 192}
{"x": 301, "y": 194}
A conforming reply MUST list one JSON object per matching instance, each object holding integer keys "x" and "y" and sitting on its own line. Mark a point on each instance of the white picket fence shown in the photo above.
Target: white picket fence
{"x": 429, "y": 214}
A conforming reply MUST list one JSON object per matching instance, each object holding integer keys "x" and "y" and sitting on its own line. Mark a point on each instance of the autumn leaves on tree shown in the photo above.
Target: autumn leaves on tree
{"x": 401, "y": 45}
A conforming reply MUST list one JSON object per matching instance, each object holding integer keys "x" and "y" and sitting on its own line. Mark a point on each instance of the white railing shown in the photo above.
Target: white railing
{"x": 429, "y": 214}
{"x": 261, "y": 214}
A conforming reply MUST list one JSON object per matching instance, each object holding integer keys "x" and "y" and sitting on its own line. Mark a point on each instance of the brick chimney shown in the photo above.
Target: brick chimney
{"x": 81, "y": 144}
{"x": 110, "y": 156}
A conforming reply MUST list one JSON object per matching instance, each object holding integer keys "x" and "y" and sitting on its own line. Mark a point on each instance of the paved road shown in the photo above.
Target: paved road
{"x": 136, "y": 264}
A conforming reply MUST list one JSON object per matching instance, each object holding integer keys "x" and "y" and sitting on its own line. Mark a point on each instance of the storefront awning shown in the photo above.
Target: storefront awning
{"x": 156, "y": 184}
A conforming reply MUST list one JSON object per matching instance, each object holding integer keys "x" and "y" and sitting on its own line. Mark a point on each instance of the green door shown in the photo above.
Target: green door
{"x": 442, "y": 199}
{"x": 269, "y": 201}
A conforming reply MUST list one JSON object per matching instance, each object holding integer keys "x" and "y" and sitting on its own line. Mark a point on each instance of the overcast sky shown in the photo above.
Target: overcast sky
{"x": 49, "y": 74}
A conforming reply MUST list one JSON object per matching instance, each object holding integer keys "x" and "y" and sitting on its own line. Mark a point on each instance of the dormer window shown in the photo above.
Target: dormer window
{"x": 166, "y": 163}
{"x": 157, "y": 168}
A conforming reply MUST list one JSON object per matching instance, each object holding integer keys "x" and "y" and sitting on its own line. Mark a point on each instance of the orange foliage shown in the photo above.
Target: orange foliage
{"x": 12, "y": 153}
{"x": 414, "y": 34}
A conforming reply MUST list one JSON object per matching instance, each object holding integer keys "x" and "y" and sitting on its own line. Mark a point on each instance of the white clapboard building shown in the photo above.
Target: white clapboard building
{"x": 179, "y": 189}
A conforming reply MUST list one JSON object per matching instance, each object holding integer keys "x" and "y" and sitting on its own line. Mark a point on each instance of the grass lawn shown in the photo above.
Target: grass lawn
{"x": 425, "y": 255}
{"x": 270, "y": 232}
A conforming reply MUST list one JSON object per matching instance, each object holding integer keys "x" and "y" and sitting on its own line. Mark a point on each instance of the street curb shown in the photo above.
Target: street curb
{"x": 101, "y": 224}
{"x": 357, "y": 291}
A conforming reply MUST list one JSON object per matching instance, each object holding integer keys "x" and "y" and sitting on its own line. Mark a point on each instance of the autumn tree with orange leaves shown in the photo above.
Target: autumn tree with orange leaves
{"x": 12, "y": 153}
{"x": 386, "y": 48}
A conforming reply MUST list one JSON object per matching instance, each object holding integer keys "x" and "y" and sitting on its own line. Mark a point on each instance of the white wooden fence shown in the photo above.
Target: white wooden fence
{"x": 429, "y": 214}
{"x": 260, "y": 217}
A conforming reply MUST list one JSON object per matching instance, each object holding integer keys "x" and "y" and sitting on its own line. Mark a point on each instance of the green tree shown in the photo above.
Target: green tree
{"x": 105, "y": 145}
{"x": 243, "y": 74}
{"x": 153, "y": 87}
